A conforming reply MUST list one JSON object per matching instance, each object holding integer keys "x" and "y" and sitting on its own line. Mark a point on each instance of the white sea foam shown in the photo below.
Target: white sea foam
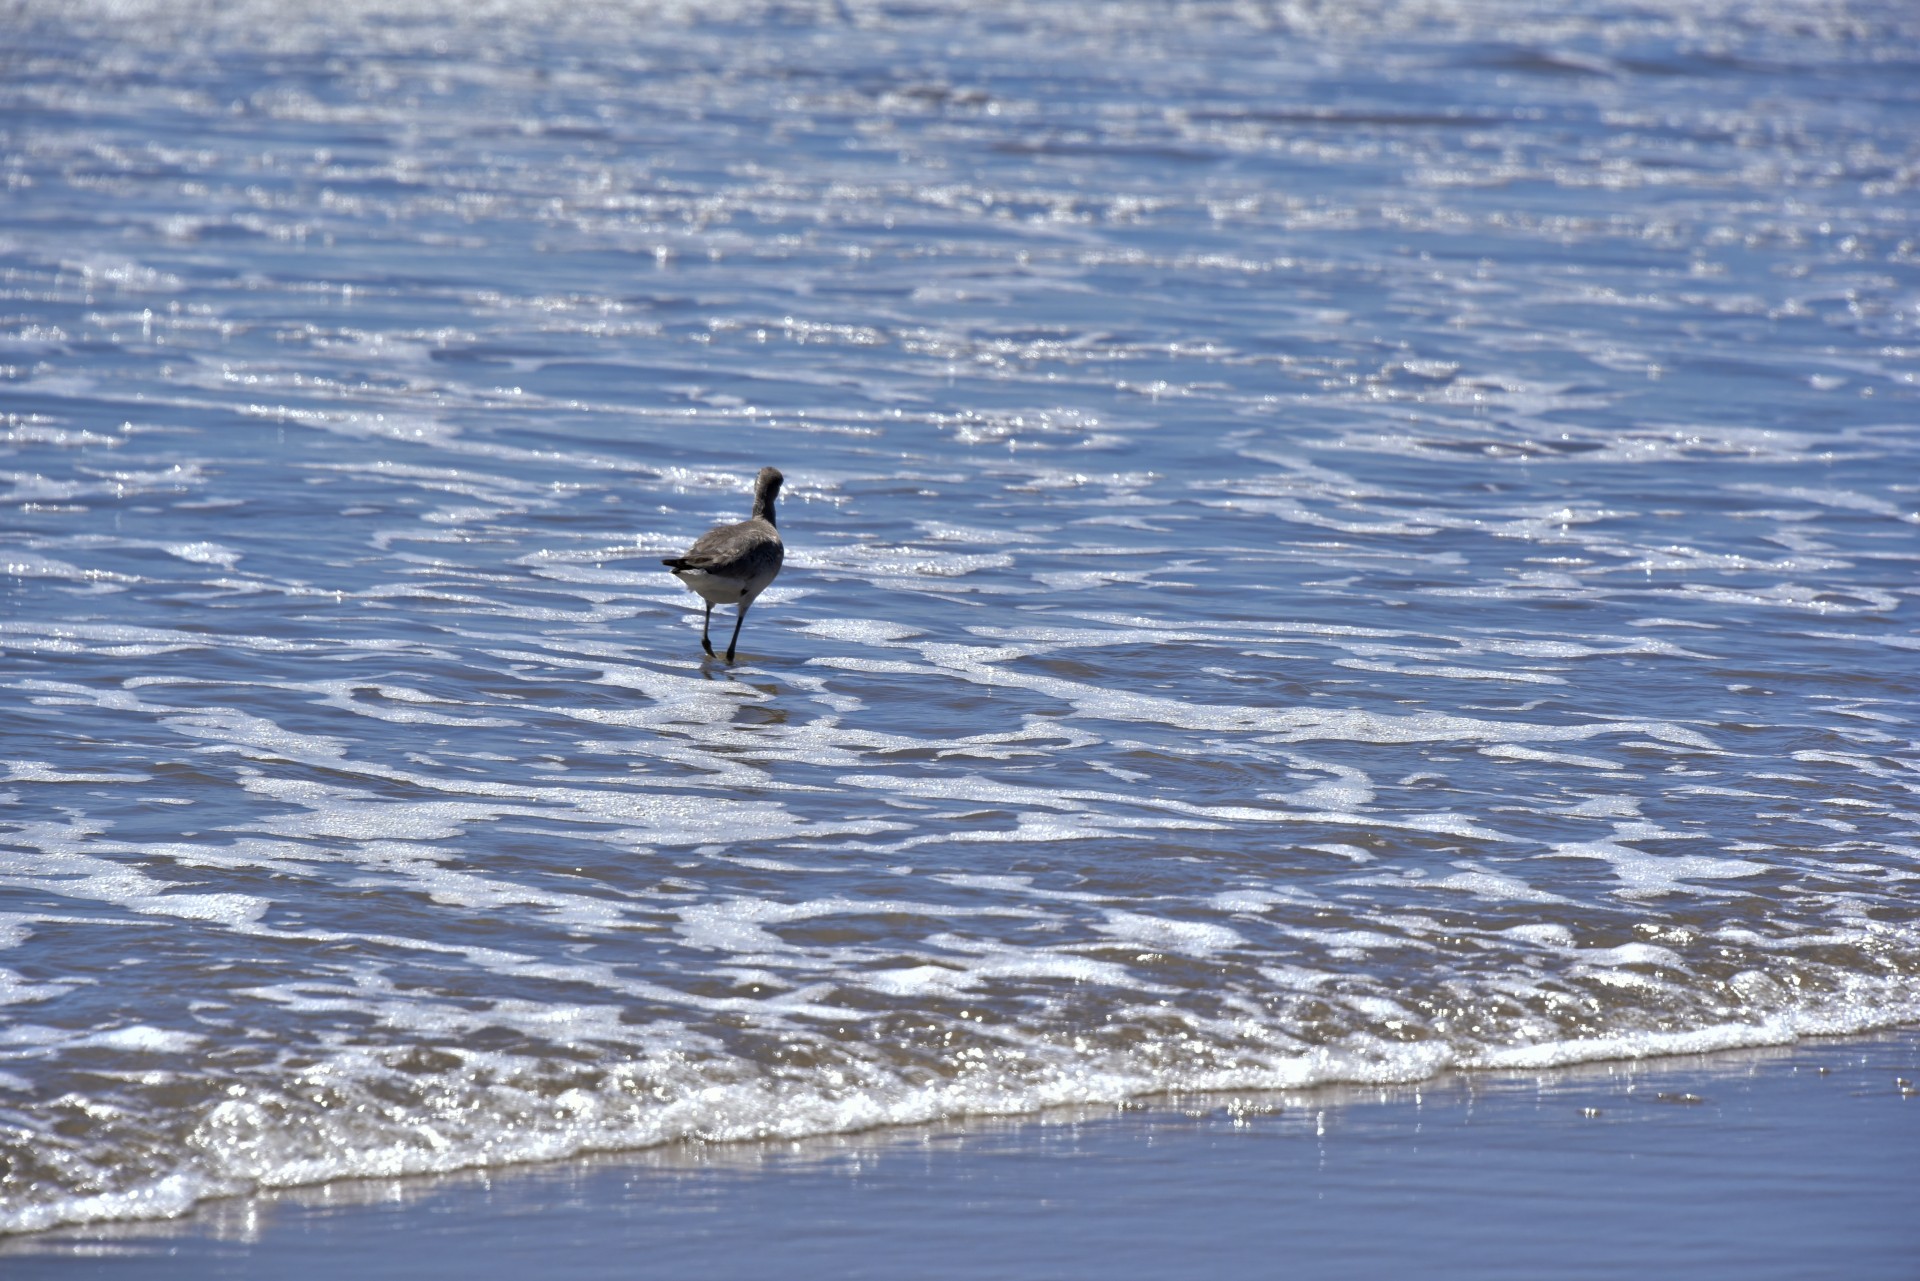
{"x": 860, "y": 630}
{"x": 1646, "y": 875}
{"x": 1194, "y": 938}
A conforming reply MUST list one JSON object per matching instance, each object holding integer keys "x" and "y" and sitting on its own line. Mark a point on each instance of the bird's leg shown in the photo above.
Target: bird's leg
{"x": 738, "y": 619}
{"x": 705, "y": 623}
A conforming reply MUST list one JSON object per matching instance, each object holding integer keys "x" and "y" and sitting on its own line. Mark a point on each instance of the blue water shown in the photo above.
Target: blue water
{"x": 1320, "y": 546}
{"x": 1772, "y": 1164}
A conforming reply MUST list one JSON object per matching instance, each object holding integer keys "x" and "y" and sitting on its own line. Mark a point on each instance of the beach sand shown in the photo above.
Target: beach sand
{"x": 1800, "y": 1161}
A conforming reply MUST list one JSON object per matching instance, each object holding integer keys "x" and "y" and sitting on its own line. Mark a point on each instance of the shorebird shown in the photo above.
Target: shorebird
{"x": 732, "y": 564}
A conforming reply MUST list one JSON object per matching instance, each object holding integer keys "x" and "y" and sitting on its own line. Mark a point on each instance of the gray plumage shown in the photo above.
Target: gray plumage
{"x": 732, "y": 564}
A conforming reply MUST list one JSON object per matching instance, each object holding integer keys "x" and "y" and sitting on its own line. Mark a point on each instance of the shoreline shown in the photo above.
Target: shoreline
{"x": 1405, "y": 1070}
{"x": 1757, "y": 1162}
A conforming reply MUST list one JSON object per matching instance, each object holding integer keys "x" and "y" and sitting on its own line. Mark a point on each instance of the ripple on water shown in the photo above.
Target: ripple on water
{"x": 1324, "y": 546}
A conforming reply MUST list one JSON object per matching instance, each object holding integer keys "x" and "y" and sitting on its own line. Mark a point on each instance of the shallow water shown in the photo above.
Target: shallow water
{"x": 1320, "y": 547}
{"x": 1773, "y": 1164}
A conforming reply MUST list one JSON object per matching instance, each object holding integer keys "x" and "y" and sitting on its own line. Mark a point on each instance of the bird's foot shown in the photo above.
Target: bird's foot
{"x": 708, "y": 646}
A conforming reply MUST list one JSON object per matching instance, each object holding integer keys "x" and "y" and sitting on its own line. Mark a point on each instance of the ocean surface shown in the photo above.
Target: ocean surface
{"x": 1325, "y": 543}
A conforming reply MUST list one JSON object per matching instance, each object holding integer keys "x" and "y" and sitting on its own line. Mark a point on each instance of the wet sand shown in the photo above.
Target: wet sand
{"x": 1794, "y": 1162}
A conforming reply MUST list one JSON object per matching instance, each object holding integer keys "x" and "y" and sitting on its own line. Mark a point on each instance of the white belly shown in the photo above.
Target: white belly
{"x": 720, "y": 589}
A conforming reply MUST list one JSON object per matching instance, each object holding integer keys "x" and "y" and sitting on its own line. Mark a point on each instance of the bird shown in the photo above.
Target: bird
{"x": 732, "y": 564}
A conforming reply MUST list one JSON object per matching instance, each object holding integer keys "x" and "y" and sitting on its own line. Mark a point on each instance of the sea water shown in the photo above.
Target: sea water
{"x": 1324, "y": 543}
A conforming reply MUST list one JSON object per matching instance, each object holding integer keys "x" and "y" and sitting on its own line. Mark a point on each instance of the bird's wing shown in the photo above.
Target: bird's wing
{"x": 715, "y": 547}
